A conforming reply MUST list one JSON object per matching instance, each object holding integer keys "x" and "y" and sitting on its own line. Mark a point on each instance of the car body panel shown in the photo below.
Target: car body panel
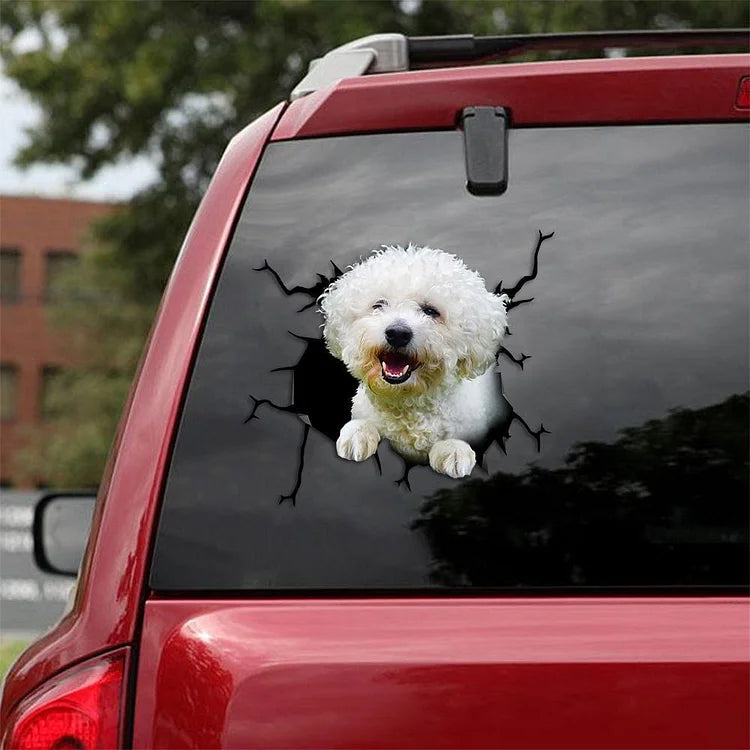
{"x": 577, "y": 92}
{"x": 583, "y": 673}
{"x": 107, "y": 603}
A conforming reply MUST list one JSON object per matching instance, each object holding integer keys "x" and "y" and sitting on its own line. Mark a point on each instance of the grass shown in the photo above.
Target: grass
{"x": 9, "y": 650}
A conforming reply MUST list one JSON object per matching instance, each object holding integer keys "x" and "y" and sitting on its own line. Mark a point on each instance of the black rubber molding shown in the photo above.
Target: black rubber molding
{"x": 425, "y": 50}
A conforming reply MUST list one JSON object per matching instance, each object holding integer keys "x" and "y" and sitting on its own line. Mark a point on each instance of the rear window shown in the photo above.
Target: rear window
{"x": 622, "y": 458}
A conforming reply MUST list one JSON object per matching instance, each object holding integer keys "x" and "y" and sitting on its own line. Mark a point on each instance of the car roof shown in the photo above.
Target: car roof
{"x": 666, "y": 89}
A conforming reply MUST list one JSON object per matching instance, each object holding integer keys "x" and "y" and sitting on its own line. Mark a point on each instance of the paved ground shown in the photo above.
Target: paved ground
{"x": 30, "y": 601}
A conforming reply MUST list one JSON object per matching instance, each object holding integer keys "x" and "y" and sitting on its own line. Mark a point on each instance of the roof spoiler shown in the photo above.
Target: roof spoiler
{"x": 389, "y": 53}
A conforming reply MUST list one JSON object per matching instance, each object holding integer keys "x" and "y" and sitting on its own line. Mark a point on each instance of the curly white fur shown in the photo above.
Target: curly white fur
{"x": 449, "y": 398}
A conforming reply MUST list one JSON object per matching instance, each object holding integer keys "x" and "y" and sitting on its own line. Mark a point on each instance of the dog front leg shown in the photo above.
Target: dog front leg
{"x": 452, "y": 457}
{"x": 358, "y": 440}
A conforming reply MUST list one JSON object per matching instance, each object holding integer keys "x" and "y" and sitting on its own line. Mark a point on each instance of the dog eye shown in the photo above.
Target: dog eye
{"x": 430, "y": 311}
{"x": 379, "y": 305}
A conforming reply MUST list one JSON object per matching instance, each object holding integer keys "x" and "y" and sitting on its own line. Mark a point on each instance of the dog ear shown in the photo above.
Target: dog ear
{"x": 476, "y": 362}
{"x": 484, "y": 342}
{"x": 332, "y": 342}
{"x": 468, "y": 368}
{"x": 332, "y": 327}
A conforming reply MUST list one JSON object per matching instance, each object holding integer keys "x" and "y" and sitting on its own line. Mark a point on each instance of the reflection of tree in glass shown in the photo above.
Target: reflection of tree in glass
{"x": 323, "y": 389}
{"x": 665, "y": 504}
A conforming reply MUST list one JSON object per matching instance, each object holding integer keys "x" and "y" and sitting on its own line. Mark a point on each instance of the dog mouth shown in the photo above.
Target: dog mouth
{"x": 396, "y": 368}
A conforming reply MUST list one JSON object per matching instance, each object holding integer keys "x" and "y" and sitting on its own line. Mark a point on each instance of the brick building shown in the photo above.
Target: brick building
{"x": 39, "y": 237}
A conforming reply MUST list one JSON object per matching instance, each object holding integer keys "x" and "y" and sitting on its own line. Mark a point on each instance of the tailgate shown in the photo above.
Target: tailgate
{"x": 299, "y": 599}
{"x": 466, "y": 673}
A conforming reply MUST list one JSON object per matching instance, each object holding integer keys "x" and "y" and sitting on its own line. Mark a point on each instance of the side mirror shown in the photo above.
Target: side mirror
{"x": 61, "y": 529}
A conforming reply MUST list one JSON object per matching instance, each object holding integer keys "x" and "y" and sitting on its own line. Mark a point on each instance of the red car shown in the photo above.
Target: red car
{"x": 585, "y": 586}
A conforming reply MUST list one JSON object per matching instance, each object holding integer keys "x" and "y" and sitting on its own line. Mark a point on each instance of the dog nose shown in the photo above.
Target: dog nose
{"x": 398, "y": 335}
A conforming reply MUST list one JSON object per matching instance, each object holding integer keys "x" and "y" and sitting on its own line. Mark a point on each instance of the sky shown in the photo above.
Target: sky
{"x": 118, "y": 182}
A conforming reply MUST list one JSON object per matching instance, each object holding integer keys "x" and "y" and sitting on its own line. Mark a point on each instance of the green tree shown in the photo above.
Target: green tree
{"x": 174, "y": 81}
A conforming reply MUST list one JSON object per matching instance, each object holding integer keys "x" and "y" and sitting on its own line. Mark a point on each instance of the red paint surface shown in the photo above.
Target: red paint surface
{"x": 587, "y": 673}
{"x": 656, "y": 89}
{"x": 111, "y": 584}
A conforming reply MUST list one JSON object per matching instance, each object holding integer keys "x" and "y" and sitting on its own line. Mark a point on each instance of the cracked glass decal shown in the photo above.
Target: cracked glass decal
{"x": 626, "y": 359}
{"x": 421, "y": 334}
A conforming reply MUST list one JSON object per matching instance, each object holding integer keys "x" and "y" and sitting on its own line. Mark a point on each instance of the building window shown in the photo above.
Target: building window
{"x": 10, "y": 275}
{"x": 8, "y": 392}
{"x": 49, "y": 403}
{"x": 56, "y": 264}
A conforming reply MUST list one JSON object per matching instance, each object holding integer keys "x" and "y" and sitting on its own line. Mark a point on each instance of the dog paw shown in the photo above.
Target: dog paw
{"x": 452, "y": 457}
{"x": 358, "y": 440}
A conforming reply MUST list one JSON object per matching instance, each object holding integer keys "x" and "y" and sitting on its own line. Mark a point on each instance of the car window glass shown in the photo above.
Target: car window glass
{"x": 632, "y": 355}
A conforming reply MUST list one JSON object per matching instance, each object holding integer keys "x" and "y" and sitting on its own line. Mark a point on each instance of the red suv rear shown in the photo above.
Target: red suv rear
{"x": 244, "y": 586}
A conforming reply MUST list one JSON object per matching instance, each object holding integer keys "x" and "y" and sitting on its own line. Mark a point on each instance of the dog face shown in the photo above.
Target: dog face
{"x": 408, "y": 321}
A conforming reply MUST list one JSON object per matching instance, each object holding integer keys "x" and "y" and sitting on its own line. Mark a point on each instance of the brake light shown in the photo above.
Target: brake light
{"x": 743, "y": 94}
{"x": 77, "y": 710}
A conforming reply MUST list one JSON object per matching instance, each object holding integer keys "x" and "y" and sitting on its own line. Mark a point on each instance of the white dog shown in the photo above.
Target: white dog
{"x": 420, "y": 331}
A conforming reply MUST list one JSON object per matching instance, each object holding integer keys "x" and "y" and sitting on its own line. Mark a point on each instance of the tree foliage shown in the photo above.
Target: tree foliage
{"x": 173, "y": 81}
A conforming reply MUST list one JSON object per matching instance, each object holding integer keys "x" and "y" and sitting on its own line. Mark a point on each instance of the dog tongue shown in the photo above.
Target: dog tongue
{"x": 395, "y": 364}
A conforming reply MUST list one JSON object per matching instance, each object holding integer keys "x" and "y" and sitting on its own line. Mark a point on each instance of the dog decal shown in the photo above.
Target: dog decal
{"x": 409, "y": 352}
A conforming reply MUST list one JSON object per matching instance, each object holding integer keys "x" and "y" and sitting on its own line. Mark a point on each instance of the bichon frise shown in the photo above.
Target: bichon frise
{"x": 420, "y": 332}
